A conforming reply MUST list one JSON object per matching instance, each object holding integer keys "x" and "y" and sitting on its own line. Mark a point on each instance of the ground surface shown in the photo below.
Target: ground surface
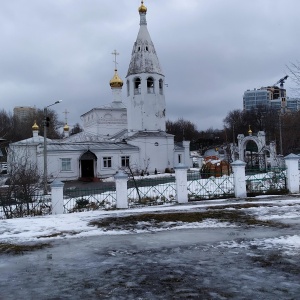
{"x": 144, "y": 263}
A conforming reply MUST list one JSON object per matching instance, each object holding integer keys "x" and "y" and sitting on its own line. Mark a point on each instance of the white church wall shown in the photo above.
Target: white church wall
{"x": 105, "y": 121}
{"x": 146, "y": 110}
{"x": 54, "y": 165}
{"x": 116, "y": 161}
{"x": 154, "y": 153}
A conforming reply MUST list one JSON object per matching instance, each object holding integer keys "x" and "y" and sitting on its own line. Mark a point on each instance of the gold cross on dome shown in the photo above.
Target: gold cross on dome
{"x": 66, "y": 113}
{"x": 115, "y": 53}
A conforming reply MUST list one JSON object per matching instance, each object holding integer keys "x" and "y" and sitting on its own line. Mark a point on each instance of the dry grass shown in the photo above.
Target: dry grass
{"x": 7, "y": 248}
{"x": 234, "y": 216}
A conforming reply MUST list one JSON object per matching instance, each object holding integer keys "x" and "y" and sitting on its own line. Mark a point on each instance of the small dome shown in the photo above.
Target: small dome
{"x": 250, "y": 131}
{"x": 142, "y": 8}
{"x": 66, "y": 127}
{"x": 35, "y": 127}
{"x": 116, "y": 81}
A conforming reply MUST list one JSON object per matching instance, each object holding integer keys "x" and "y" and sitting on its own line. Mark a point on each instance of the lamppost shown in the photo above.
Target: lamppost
{"x": 46, "y": 124}
{"x": 281, "y": 114}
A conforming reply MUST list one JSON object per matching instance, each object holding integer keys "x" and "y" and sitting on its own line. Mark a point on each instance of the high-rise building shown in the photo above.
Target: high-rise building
{"x": 271, "y": 97}
{"x": 22, "y": 112}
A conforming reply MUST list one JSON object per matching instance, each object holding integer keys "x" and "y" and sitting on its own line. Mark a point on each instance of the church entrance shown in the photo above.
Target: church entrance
{"x": 87, "y": 168}
{"x": 88, "y": 162}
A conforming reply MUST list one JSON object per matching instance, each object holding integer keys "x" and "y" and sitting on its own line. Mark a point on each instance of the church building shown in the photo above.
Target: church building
{"x": 128, "y": 132}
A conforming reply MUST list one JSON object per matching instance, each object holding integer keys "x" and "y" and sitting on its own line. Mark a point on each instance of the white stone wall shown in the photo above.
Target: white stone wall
{"x": 154, "y": 157}
{"x": 146, "y": 111}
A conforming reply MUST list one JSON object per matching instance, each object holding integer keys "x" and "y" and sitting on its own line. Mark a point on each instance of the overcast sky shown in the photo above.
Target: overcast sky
{"x": 210, "y": 52}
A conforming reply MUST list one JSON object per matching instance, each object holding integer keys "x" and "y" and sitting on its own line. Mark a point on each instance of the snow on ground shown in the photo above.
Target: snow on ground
{"x": 289, "y": 244}
{"x": 282, "y": 210}
{"x": 75, "y": 225}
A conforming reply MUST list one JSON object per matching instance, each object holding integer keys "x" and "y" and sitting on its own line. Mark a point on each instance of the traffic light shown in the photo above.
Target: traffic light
{"x": 47, "y": 122}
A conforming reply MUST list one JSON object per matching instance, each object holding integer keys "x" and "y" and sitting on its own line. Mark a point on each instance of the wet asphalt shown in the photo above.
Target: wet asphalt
{"x": 174, "y": 264}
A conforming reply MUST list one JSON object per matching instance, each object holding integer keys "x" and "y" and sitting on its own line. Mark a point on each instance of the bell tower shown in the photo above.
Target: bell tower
{"x": 146, "y": 106}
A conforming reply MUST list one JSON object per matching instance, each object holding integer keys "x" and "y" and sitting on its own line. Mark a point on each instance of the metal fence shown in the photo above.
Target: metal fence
{"x": 269, "y": 182}
{"x": 151, "y": 191}
{"x": 142, "y": 191}
{"x": 76, "y": 200}
{"x": 19, "y": 206}
{"x": 201, "y": 186}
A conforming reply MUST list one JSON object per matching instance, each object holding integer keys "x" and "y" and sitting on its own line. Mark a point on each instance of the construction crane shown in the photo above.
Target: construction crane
{"x": 281, "y": 81}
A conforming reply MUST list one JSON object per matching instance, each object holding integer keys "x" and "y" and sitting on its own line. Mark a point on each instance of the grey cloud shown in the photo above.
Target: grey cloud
{"x": 210, "y": 51}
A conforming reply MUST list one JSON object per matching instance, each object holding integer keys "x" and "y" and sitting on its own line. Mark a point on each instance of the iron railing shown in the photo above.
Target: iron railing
{"x": 268, "y": 182}
{"x": 18, "y": 205}
{"x": 89, "y": 199}
{"x": 203, "y": 186}
{"x": 152, "y": 191}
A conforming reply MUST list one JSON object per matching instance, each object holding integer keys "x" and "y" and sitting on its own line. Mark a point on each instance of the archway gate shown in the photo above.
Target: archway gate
{"x": 88, "y": 166}
{"x": 254, "y": 151}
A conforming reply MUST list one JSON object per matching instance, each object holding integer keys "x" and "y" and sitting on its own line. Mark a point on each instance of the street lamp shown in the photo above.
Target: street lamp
{"x": 281, "y": 114}
{"x": 46, "y": 120}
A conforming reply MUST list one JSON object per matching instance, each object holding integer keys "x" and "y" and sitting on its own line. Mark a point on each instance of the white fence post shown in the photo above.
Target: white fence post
{"x": 57, "y": 197}
{"x": 239, "y": 179}
{"x": 292, "y": 173}
{"x": 181, "y": 183}
{"x": 121, "y": 189}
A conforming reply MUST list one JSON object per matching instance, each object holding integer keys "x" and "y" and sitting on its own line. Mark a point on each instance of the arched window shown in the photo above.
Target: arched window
{"x": 128, "y": 88}
{"x": 150, "y": 85}
{"x": 137, "y": 86}
{"x": 107, "y": 116}
{"x": 161, "y": 86}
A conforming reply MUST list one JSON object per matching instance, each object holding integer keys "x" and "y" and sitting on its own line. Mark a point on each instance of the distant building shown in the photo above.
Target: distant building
{"x": 23, "y": 112}
{"x": 271, "y": 97}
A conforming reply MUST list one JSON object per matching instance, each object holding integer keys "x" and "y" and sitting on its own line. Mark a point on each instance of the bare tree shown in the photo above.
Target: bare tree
{"x": 182, "y": 129}
{"x": 19, "y": 198}
{"x": 294, "y": 69}
{"x": 132, "y": 170}
{"x": 14, "y": 129}
{"x": 76, "y": 129}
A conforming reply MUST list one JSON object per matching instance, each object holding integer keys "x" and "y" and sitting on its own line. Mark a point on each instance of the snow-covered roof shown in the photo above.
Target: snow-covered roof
{"x": 93, "y": 146}
{"x": 84, "y": 137}
{"x": 144, "y": 58}
{"x": 115, "y": 105}
{"x": 140, "y": 134}
{"x": 36, "y": 140}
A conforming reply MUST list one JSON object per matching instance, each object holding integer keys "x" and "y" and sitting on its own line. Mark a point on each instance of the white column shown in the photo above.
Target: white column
{"x": 57, "y": 197}
{"x": 187, "y": 155}
{"x": 200, "y": 162}
{"x": 181, "y": 183}
{"x": 121, "y": 189}
{"x": 239, "y": 178}
{"x": 292, "y": 173}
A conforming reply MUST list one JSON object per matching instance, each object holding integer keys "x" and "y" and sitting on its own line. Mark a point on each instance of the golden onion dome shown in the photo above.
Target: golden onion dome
{"x": 116, "y": 81}
{"x": 35, "y": 126}
{"x": 142, "y": 8}
{"x": 250, "y": 131}
{"x": 66, "y": 127}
